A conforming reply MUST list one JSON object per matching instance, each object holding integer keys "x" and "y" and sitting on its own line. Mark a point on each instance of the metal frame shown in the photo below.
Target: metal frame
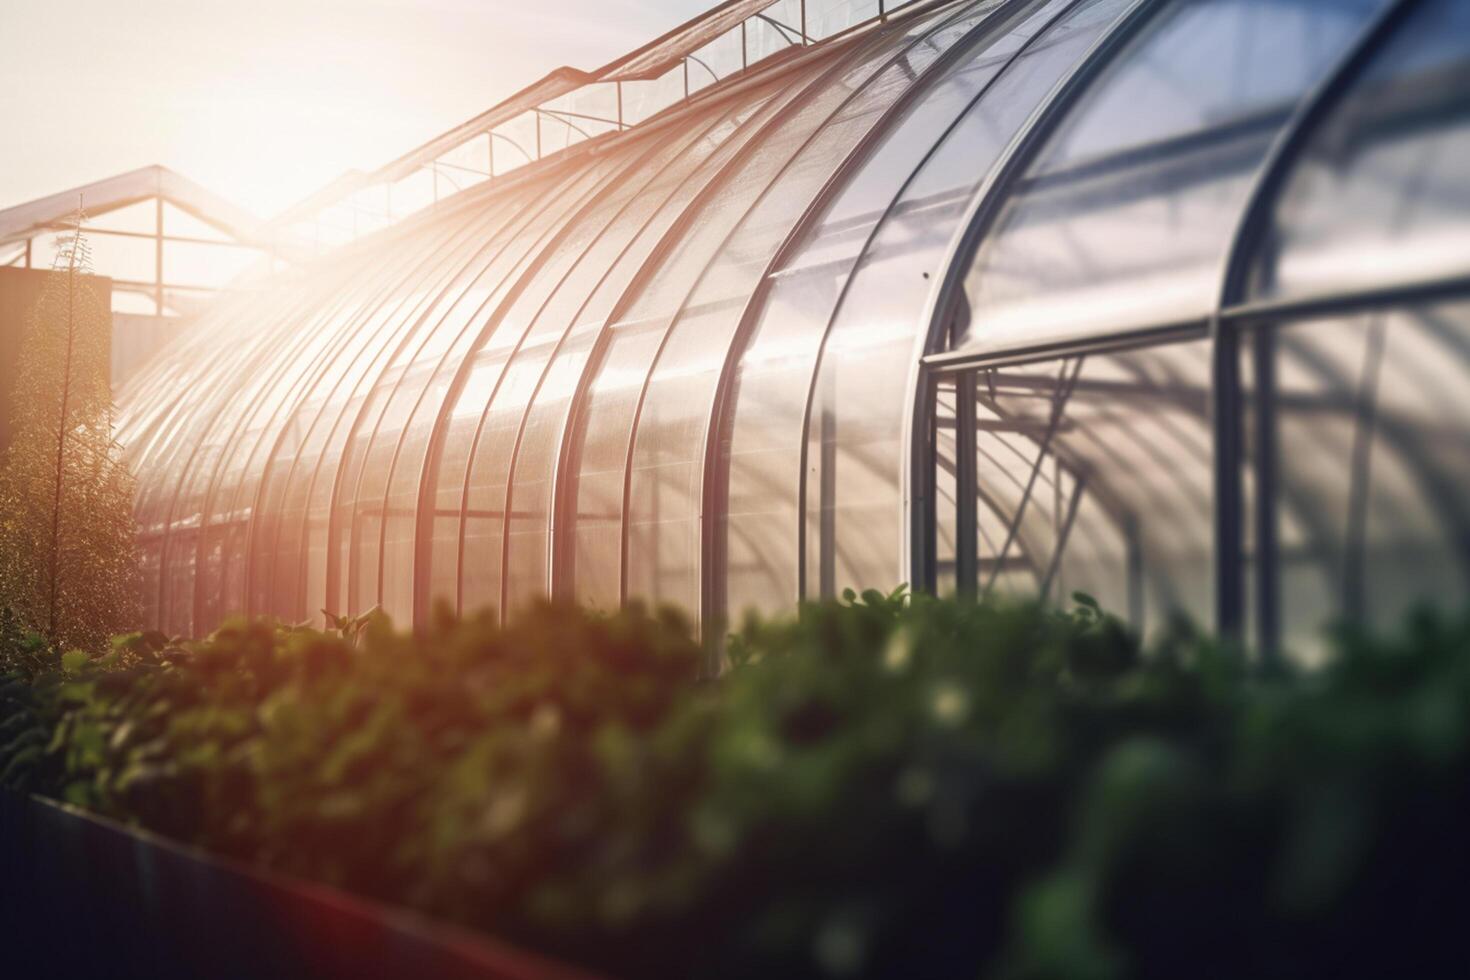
{"x": 714, "y": 548}
{"x": 386, "y": 328}
{"x": 525, "y": 216}
{"x": 261, "y": 356}
{"x": 702, "y": 612}
{"x": 802, "y": 462}
{"x": 373, "y": 300}
{"x": 616, "y": 314}
{"x": 715, "y": 121}
{"x": 564, "y": 508}
{"x": 994, "y": 192}
{"x": 1228, "y": 402}
{"x": 497, "y": 245}
{"x": 423, "y": 514}
{"x": 1231, "y": 314}
{"x": 364, "y": 314}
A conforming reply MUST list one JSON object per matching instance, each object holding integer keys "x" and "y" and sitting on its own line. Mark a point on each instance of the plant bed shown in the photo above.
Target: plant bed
{"x": 875, "y": 787}
{"x": 87, "y": 896}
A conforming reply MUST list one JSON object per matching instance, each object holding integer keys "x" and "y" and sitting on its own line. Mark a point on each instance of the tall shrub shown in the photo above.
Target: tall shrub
{"x": 68, "y": 565}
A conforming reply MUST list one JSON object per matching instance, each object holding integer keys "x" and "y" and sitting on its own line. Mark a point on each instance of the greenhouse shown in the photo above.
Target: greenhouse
{"x": 1163, "y": 301}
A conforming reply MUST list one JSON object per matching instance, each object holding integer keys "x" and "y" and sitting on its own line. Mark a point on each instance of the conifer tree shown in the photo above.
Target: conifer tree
{"x": 68, "y": 560}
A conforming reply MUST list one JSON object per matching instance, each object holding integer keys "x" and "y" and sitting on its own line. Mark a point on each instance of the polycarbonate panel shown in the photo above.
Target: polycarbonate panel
{"x": 566, "y": 228}
{"x": 203, "y": 365}
{"x": 639, "y": 226}
{"x": 1378, "y": 197}
{"x": 267, "y": 433}
{"x": 408, "y": 465}
{"x": 859, "y": 398}
{"x": 453, "y": 304}
{"x": 1123, "y": 218}
{"x": 1094, "y": 474}
{"x": 638, "y": 336}
{"x": 385, "y": 576}
{"x": 350, "y": 336}
{"x": 1373, "y": 433}
{"x": 532, "y": 401}
{"x": 596, "y": 448}
{"x": 516, "y": 364}
{"x": 667, "y": 473}
{"x": 762, "y": 445}
{"x": 468, "y": 306}
{"x": 319, "y": 424}
{"x": 195, "y": 445}
{"x": 347, "y": 541}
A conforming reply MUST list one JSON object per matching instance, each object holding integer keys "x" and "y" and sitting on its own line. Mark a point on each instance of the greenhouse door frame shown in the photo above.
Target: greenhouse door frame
{"x": 960, "y": 374}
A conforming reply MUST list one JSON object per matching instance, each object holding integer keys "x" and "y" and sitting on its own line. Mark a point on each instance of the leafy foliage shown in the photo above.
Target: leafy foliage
{"x": 68, "y": 566}
{"x": 888, "y": 785}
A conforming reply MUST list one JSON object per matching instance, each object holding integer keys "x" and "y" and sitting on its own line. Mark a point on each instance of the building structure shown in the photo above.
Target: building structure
{"x": 168, "y": 245}
{"x": 1167, "y": 301}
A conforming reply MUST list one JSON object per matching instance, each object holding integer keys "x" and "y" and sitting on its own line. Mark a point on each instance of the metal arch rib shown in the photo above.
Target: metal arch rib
{"x": 715, "y": 483}
{"x": 1226, "y": 396}
{"x": 960, "y": 10}
{"x": 983, "y": 212}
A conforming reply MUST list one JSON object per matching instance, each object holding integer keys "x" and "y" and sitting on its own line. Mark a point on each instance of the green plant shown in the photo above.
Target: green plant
{"x": 885, "y": 785}
{"x": 68, "y": 567}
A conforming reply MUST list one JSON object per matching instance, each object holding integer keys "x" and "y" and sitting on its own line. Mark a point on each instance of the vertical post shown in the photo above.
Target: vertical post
{"x": 882, "y": 12}
{"x": 744, "y": 58}
{"x": 685, "y": 63}
{"x": 1229, "y": 530}
{"x": 803, "y": 24}
{"x": 537, "y": 115}
{"x": 1267, "y": 544}
{"x": 967, "y": 564}
{"x": 827, "y": 516}
{"x": 28, "y": 252}
{"x": 618, "y": 86}
{"x": 158, "y": 255}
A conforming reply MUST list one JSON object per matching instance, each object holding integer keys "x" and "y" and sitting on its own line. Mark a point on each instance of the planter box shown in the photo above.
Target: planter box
{"x": 84, "y": 896}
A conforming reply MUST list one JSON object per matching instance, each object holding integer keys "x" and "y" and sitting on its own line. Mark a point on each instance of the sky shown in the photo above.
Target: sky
{"x": 266, "y": 101}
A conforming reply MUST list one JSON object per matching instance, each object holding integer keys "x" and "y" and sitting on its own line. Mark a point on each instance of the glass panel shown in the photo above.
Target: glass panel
{"x": 513, "y": 143}
{"x": 668, "y": 458}
{"x": 1373, "y": 459}
{"x": 1095, "y": 474}
{"x": 1123, "y": 218}
{"x": 648, "y": 97}
{"x": 1379, "y": 196}
{"x": 763, "y": 447}
{"x": 854, "y": 455}
{"x": 720, "y": 58}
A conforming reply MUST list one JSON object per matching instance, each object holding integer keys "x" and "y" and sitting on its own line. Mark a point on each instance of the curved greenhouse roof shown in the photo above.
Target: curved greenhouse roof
{"x": 1164, "y": 301}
